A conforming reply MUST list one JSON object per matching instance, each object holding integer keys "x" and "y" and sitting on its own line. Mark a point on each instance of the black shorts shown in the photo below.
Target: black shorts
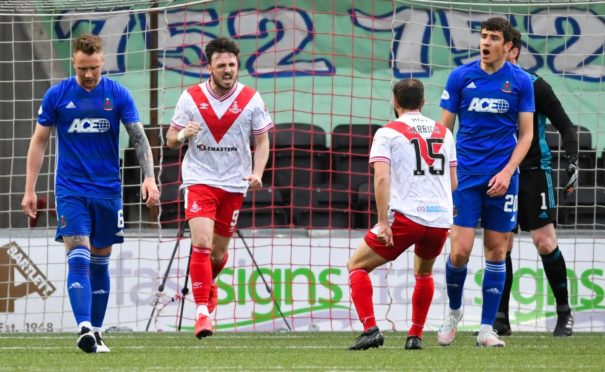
{"x": 537, "y": 204}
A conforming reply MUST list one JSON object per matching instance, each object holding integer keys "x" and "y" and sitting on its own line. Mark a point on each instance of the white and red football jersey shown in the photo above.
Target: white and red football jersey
{"x": 420, "y": 153}
{"x": 220, "y": 154}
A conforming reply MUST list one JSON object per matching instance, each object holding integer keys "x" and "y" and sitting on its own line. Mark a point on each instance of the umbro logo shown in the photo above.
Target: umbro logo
{"x": 471, "y": 85}
{"x": 203, "y": 106}
{"x": 70, "y": 105}
{"x": 100, "y": 291}
{"x": 492, "y": 290}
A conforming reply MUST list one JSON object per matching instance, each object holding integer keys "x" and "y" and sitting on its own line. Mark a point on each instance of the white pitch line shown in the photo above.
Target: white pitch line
{"x": 198, "y": 346}
{"x": 160, "y": 335}
{"x": 206, "y": 346}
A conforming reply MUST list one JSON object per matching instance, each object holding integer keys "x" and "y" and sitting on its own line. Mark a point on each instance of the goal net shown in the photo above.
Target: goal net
{"x": 325, "y": 70}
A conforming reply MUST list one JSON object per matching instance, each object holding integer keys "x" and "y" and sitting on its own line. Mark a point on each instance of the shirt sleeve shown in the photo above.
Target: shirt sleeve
{"x": 381, "y": 148}
{"x": 128, "y": 113}
{"x": 261, "y": 120}
{"x": 549, "y": 105}
{"x": 451, "y": 149}
{"x": 450, "y": 98}
{"x": 46, "y": 112}
{"x": 526, "y": 94}
{"x": 182, "y": 114}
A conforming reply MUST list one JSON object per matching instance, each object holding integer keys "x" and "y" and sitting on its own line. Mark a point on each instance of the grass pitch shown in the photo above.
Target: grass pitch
{"x": 298, "y": 351}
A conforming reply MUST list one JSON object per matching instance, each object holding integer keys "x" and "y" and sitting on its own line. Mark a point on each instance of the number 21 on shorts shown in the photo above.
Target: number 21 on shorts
{"x": 510, "y": 203}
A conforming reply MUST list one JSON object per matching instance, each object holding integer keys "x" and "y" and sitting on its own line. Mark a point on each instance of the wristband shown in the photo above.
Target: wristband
{"x": 181, "y": 136}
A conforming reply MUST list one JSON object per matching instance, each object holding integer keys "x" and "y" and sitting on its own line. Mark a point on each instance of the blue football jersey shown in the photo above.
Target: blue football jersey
{"x": 87, "y": 133}
{"x": 488, "y": 107}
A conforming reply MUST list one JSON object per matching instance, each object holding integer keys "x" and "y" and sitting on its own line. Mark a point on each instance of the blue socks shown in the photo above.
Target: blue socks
{"x": 493, "y": 285}
{"x": 454, "y": 278}
{"x": 88, "y": 286}
{"x": 78, "y": 283}
{"x": 99, "y": 281}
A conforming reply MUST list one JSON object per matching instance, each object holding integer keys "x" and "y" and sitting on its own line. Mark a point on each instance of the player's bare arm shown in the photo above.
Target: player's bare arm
{"x": 141, "y": 148}
{"x": 149, "y": 189}
{"x": 35, "y": 158}
{"x": 261, "y": 156}
{"x": 382, "y": 194}
{"x": 448, "y": 119}
{"x": 175, "y": 138}
{"x": 454, "y": 177}
{"x": 500, "y": 182}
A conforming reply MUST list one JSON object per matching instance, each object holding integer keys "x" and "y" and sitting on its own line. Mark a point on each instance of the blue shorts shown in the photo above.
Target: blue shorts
{"x": 102, "y": 220}
{"x": 472, "y": 203}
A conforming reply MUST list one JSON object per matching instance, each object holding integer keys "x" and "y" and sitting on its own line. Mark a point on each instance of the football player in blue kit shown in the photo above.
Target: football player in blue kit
{"x": 86, "y": 111}
{"x": 494, "y": 102}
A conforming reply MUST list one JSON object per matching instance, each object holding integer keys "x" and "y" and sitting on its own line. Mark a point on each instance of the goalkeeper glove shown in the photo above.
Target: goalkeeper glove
{"x": 572, "y": 172}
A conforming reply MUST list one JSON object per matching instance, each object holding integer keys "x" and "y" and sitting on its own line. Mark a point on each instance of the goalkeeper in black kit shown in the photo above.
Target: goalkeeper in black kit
{"x": 537, "y": 210}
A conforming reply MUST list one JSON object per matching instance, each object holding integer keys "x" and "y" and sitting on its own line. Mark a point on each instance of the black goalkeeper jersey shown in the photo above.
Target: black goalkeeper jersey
{"x": 548, "y": 106}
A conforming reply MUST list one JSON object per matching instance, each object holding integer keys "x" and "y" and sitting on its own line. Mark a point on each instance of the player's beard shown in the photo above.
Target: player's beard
{"x": 221, "y": 84}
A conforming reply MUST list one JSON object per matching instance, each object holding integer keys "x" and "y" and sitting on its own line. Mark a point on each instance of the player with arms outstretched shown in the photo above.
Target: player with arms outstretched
{"x": 494, "y": 102}
{"x": 414, "y": 160}
{"x": 86, "y": 111}
{"x": 216, "y": 119}
{"x": 537, "y": 210}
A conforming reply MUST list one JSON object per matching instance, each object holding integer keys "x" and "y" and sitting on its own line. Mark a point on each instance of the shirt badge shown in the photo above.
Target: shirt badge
{"x": 235, "y": 108}
{"x": 507, "y": 87}
{"x": 107, "y": 106}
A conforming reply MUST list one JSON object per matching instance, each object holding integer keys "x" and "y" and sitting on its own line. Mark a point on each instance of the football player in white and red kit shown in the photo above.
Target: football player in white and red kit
{"x": 414, "y": 160}
{"x": 216, "y": 118}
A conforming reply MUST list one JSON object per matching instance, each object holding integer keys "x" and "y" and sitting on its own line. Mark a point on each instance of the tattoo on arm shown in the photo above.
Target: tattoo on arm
{"x": 141, "y": 147}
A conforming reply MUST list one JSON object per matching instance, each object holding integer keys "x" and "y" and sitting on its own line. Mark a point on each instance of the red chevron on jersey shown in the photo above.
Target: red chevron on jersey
{"x": 219, "y": 126}
{"x": 410, "y": 133}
